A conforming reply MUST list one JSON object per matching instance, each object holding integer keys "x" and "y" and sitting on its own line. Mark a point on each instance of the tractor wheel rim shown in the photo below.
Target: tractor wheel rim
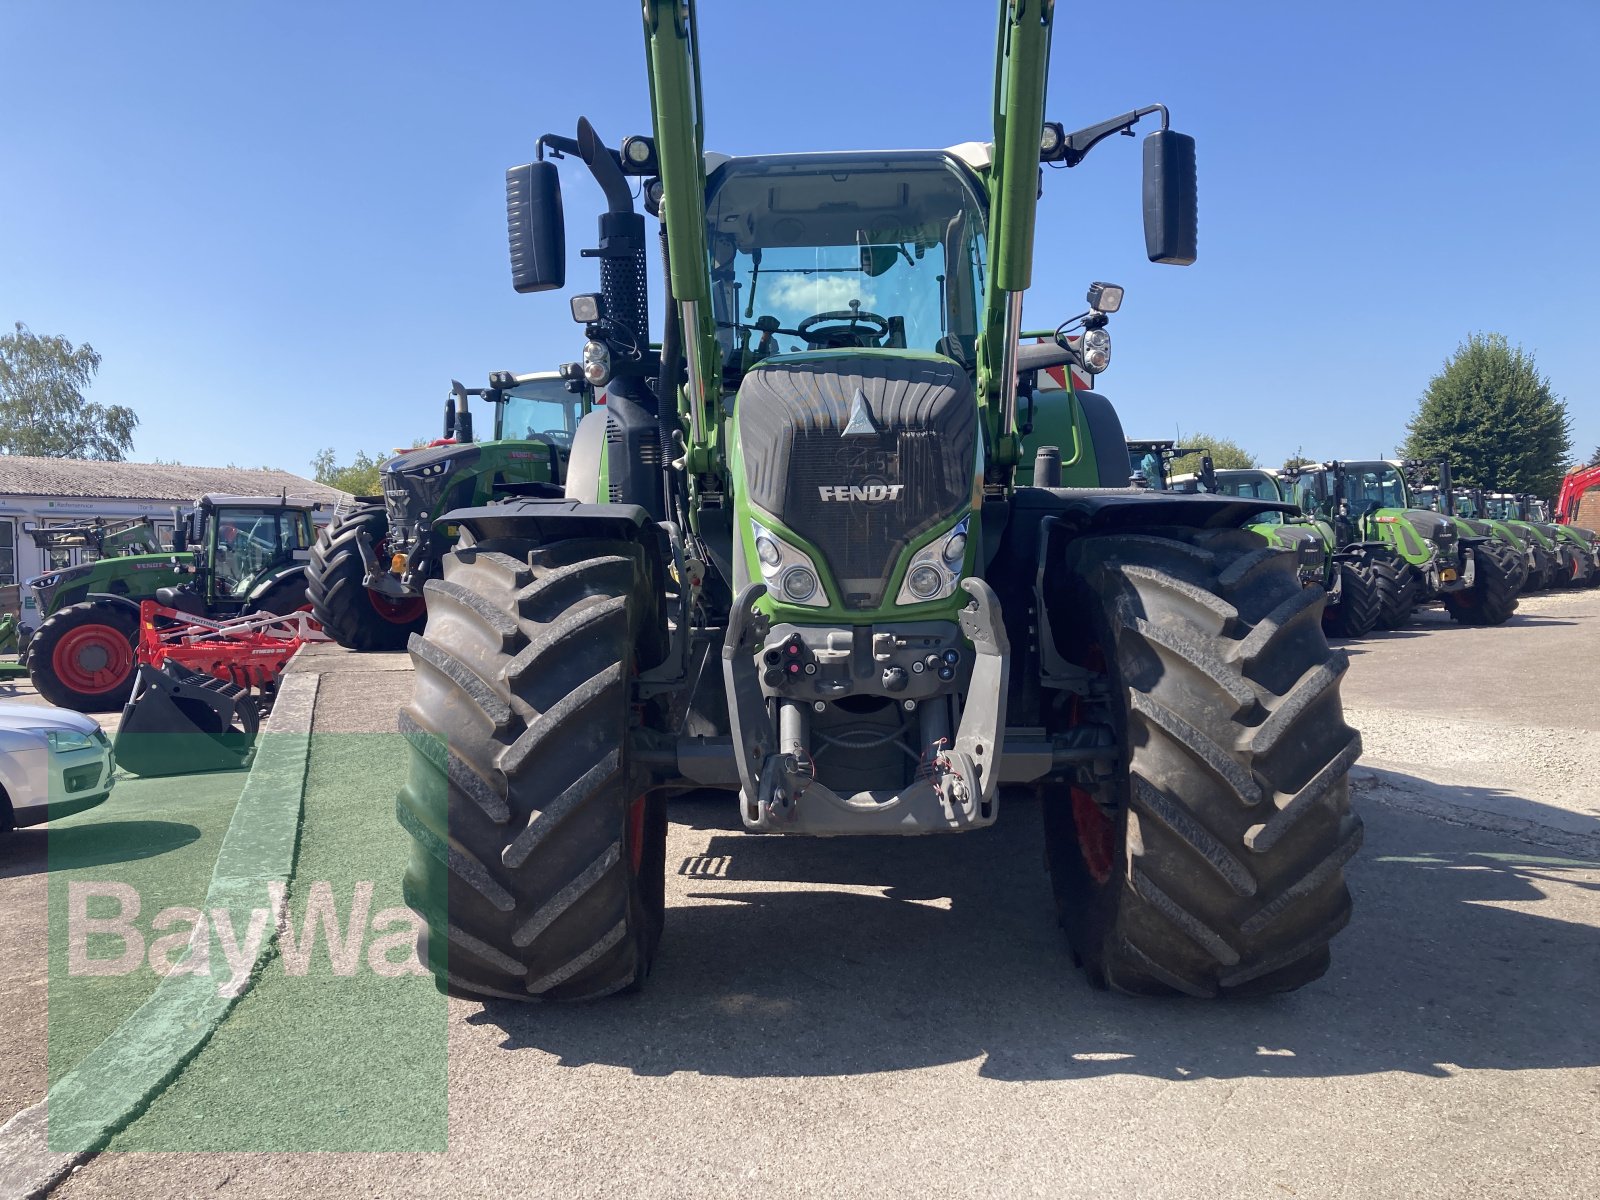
{"x": 636, "y": 834}
{"x": 401, "y": 611}
{"x": 92, "y": 659}
{"x": 1097, "y": 838}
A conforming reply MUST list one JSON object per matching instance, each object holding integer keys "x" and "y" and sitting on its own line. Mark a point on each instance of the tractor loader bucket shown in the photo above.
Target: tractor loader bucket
{"x": 182, "y": 722}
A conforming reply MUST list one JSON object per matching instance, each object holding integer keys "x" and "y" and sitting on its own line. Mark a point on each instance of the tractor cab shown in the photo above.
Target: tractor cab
{"x": 243, "y": 550}
{"x": 1150, "y": 465}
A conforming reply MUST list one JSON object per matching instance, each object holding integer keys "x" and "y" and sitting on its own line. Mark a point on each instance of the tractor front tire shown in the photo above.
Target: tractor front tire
{"x": 1397, "y": 586}
{"x": 539, "y": 850}
{"x": 349, "y": 612}
{"x": 83, "y": 656}
{"x": 1491, "y": 599}
{"x": 1360, "y": 605}
{"x": 1212, "y": 863}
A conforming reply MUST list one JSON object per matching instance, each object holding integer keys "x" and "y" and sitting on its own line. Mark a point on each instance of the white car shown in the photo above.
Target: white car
{"x": 53, "y": 762}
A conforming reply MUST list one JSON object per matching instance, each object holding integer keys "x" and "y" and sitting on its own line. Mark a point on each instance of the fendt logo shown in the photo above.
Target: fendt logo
{"x": 869, "y": 492}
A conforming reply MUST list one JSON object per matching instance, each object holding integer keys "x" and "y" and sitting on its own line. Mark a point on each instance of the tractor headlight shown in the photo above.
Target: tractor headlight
{"x": 596, "y": 363}
{"x": 924, "y": 581}
{"x": 789, "y": 573}
{"x": 799, "y": 584}
{"x": 935, "y": 570}
{"x": 1095, "y": 350}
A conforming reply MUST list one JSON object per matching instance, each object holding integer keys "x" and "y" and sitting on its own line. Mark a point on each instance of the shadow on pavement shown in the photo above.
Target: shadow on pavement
{"x": 926, "y": 951}
{"x": 36, "y": 850}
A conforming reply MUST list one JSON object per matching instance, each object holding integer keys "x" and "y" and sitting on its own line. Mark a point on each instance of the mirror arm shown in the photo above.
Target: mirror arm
{"x": 1077, "y": 145}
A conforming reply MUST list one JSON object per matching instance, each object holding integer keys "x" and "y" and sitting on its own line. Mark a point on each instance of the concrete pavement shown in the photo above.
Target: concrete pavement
{"x": 855, "y": 1017}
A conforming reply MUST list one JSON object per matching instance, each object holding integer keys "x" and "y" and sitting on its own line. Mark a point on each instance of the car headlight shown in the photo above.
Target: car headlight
{"x": 936, "y": 568}
{"x": 65, "y": 739}
{"x": 790, "y": 575}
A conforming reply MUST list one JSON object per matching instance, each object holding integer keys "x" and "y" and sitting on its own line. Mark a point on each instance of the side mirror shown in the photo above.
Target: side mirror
{"x": 536, "y": 228}
{"x": 1171, "y": 207}
{"x": 1208, "y": 474}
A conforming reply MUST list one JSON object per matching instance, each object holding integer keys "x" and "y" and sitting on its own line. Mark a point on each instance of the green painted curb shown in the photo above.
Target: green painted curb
{"x": 91, "y": 1103}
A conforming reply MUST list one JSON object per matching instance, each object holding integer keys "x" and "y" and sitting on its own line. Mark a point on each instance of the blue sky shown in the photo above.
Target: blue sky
{"x": 283, "y": 226}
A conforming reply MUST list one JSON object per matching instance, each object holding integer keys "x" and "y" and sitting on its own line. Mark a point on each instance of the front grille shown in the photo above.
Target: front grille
{"x": 859, "y": 497}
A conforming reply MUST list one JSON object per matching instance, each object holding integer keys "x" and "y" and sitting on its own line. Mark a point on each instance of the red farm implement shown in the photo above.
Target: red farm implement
{"x": 202, "y": 685}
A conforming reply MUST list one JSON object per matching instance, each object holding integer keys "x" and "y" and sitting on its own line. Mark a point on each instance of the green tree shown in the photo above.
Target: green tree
{"x": 359, "y": 477}
{"x": 1494, "y": 416}
{"x": 42, "y": 407}
{"x": 1297, "y": 460}
{"x": 1224, "y": 452}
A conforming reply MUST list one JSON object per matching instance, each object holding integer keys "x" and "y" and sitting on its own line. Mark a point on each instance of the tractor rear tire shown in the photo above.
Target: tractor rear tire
{"x": 1359, "y": 607}
{"x": 83, "y": 656}
{"x": 1397, "y": 584}
{"x": 349, "y": 612}
{"x": 539, "y": 850}
{"x": 1491, "y": 599}
{"x": 1212, "y": 863}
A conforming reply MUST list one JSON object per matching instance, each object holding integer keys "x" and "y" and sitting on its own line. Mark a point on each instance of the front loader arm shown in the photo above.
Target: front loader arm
{"x": 672, "y": 52}
{"x": 1021, "y": 76}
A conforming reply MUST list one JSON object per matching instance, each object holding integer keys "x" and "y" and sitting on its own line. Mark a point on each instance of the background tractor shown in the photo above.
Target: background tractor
{"x": 1469, "y": 508}
{"x": 1348, "y": 574}
{"x": 796, "y": 564}
{"x": 231, "y": 555}
{"x": 367, "y": 570}
{"x": 1572, "y": 550}
{"x": 1370, "y": 503}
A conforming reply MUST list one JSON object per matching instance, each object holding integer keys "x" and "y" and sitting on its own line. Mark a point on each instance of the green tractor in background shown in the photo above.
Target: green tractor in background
{"x": 230, "y": 555}
{"x": 1570, "y": 558}
{"x": 1369, "y": 503}
{"x": 797, "y": 565}
{"x": 1348, "y": 572}
{"x": 1585, "y": 544}
{"x": 1469, "y": 510}
{"x": 367, "y": 570}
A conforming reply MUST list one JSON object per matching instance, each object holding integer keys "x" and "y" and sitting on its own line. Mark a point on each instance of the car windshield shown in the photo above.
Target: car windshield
{"x": 540, "y": 408}
{"x": 845, "y": 251}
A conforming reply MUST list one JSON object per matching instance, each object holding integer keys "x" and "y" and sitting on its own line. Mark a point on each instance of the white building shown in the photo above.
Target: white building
{"x": 39, "y": 492}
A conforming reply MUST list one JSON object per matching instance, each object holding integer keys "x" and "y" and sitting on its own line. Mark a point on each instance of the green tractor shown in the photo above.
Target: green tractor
{"x": 1439, "y": 558}
{"x": 1470, "y": 510}
{"x": 1584, "y": 543}
{"x": 1348, "y": 573}
{"x": 1569, "y": 557}
{"x": 369, "y": 565}
{"x": 797, "y": 565}
{"x": 231, "y": 555}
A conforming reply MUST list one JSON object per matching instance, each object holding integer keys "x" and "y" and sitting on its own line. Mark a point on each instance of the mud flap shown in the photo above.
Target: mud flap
{"x": 183, "y": 722}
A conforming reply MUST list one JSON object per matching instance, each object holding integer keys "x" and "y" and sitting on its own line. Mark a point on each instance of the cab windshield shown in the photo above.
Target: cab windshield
{"x": 541, "y": 408}
{"x": 1371, "y": 486}
{"x": 861, "y": 251}
{"x": 1466, "y": 506}
{"x": 1252, "y": 485}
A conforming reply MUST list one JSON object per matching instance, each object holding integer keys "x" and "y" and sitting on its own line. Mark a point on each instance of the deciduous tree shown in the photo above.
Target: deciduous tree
{"x": 1494, "y": 416}
{"x": 43, "y": 410}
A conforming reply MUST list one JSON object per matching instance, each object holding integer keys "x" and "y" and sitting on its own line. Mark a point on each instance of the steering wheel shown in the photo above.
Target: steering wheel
{"x": 852, "y": 322}
{"x": 557, "y": 437}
